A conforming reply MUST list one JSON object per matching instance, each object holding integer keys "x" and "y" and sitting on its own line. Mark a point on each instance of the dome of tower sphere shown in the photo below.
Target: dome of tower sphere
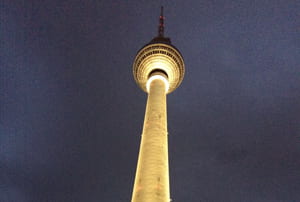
{"x": 159, "y": 55}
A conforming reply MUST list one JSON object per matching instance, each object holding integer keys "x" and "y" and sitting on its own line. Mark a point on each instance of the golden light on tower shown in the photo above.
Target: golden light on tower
{"x": 158, "y": 69}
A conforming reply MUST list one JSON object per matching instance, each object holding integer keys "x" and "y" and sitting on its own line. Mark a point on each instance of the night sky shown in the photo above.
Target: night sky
{"x": 71, "y": 114}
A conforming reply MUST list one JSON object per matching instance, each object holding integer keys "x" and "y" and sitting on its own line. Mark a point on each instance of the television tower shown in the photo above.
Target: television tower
{"x": 158, "y": 69}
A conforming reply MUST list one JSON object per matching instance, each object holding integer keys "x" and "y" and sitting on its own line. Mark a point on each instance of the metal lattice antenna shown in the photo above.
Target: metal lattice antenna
{"x": 161, "y": 23}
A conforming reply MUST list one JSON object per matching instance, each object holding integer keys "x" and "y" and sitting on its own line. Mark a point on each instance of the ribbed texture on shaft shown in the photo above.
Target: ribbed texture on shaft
{"x": 152, "y": 174}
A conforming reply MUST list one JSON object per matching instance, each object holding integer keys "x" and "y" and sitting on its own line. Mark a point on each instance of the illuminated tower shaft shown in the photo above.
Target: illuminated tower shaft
{"x": 152, "y": 175}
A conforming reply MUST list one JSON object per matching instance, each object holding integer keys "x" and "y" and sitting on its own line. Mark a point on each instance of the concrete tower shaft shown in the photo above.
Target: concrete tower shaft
{"x": 152, "y": 174}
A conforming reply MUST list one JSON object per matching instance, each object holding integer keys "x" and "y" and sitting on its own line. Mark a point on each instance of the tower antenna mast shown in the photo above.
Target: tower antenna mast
{"x": 161, "y": 23}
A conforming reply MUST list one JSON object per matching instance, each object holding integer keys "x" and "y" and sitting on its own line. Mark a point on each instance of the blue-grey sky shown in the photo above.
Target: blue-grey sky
{"x": 71, "y": 115}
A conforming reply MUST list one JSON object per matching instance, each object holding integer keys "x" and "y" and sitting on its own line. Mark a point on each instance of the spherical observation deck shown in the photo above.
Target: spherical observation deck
{"x": 159, "y": 56}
